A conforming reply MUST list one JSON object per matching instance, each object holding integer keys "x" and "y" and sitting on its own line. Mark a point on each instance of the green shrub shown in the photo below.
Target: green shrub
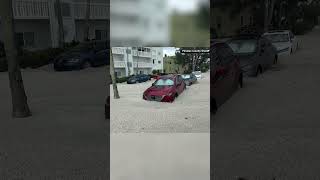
{"x": 122, "y": 79}
{"x": 303, "y": 27}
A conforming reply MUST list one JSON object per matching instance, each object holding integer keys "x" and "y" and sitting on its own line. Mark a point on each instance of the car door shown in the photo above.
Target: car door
{"x": 180, "y": 85}
{"x": 218, "y": 79}
{"x": 269, "y": 53}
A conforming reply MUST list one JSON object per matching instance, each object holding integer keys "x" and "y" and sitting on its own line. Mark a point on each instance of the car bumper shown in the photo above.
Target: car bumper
{"x": 249, "y": 71}
{"x": 164, "y": 98}
{"x": 66, "y": 67}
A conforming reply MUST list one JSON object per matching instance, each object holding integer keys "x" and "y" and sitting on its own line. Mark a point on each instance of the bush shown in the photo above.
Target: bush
{"x": 303, "y": 27}
{"x": 122, "y": 79}
{"x": 35, "y": 59}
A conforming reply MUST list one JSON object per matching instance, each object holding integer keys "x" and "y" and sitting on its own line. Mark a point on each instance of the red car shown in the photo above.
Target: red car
{"x": 226, "y": 74}
{"x": 165, "y": 89}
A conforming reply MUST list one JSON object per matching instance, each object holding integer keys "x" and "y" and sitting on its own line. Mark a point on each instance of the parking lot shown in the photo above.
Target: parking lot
{"x": 188, "y": 113}
{"x": 270, "y": 128}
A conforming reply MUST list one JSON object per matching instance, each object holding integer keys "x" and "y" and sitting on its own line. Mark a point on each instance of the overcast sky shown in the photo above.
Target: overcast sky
{"x": 169, "y": 51}
{"x": 184, "y": 5}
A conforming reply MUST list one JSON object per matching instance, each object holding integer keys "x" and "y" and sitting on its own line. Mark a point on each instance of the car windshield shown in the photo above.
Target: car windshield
{"x": 82, "y": 47}
{"x": 164, "y": 82}
{"x": 185, "y": 76}
{"x": 243, "y": 46}
{"x": 277, "y": 37}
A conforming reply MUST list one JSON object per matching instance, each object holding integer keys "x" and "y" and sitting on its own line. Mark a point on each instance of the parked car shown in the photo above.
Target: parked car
{"x": 189, "y": 79}
{"x": 226, "y": 74}
{"x": 107, "y": 108}
{"x": 198, "y": 74}
{"x": 285, "y": 41}
{"x": 138, "y": 78}
{"x": 165, "y": 89}
{"x": 254, "y": 52}
{"x": 86, "y": 54}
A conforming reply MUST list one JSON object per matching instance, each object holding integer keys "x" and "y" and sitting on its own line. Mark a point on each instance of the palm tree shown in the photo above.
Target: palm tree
{"x": 20, "y": 106}
{"x": 60, "y": 23}
{"x": 87, "y": 28}
{"x": 113, "y": 77}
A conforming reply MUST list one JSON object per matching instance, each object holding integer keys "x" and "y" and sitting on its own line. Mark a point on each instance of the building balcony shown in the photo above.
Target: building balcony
{"x": 142, "y": 65}
{"x": 116, "y": 50}
{"x": 40, "y": 9}
{"x": 97, "y": 10}
{"x": 119, "y": 64}
{"x": 26, "y": 9}
{"x": 141, "y": 54}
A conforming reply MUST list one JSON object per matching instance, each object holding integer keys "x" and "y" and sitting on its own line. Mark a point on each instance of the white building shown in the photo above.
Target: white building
{"x": 139, "y": 22}
{"x": 137, "y": 60}
{"x": 36, "y": 22}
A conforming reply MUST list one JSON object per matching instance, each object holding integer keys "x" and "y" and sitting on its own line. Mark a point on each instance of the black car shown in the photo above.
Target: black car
{"x": 255, "y": 53}
{"x": 86, "y": 54}
{"x": 189, "y": 79}
{"x": 138, "y": 78}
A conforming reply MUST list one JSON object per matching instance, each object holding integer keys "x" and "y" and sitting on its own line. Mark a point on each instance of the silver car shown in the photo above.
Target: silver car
{"x": 254, "y": 52}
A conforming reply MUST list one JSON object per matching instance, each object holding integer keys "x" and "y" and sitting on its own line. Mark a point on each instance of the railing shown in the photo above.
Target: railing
{"x": 142, "y": 65}
{"x": 141, "y": 53}
{"x": 119, "y": 64}
{"x": 36, "y": 9}
{"x": 97, "y": 10}
{"x": 116, "y": 50}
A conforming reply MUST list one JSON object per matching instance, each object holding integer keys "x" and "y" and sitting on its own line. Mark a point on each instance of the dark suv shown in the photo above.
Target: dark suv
{"x": 226, "y": 74}
{"x": 86, "y": 54}
{"x": 138, "y": 78}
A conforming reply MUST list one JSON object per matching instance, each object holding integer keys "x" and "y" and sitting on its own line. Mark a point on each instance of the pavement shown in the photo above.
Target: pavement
{"x": 271, "y": 127}
{"x": 66, "y": 137}
{"x": 189, "y": 113}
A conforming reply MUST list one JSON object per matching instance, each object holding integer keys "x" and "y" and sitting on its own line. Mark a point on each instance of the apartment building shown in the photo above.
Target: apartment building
{"x": 137, "y": 60}
{"x": 36, "y": 22}
{"x": 139, "y": 22}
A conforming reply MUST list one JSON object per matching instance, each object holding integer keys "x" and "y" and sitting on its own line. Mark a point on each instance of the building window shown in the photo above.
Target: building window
{"x": 159, "y": 62}
{"x": 118, "y": 74}
{"x": 153, "y": 61}
{"x": 25, "y": 39}
{"x": 101, "y": 34}
{"x": 65, "y": 9}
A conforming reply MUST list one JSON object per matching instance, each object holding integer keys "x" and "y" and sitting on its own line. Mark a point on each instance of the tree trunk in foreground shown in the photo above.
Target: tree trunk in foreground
{"x": 20, "y": 106}
{"x": 87, "y": 28}
{"x": 113, "y": 77}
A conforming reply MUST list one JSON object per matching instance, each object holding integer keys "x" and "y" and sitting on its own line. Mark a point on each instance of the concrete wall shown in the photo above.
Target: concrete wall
{"x": 94, "y": 25}
{"x": 41, "y": 29}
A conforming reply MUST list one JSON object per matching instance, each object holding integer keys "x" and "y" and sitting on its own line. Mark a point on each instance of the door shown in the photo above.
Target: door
{"x": 180, "y": 84}
{"x": 218, "y": 79}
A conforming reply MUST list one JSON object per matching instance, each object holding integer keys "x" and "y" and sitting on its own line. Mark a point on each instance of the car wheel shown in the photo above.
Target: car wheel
{"x": 275, "y": 61}
{"x": 241, "y": 81}
{"x": 86, "y": 64}
{"x": 257, "y": 71}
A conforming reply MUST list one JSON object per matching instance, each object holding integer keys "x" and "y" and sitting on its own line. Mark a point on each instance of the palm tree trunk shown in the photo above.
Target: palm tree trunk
{"x": 87, "y": 20}
{"x": 113, "y": 77}
{"x": 60, "y": 23}
{"x": 266, "y": 15}
{"x": 20, "y": 106}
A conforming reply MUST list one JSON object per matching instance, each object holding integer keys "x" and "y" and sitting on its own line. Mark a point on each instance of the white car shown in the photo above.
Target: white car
{"x": 283, "y": 40}
{"x": 198, "y": 74}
